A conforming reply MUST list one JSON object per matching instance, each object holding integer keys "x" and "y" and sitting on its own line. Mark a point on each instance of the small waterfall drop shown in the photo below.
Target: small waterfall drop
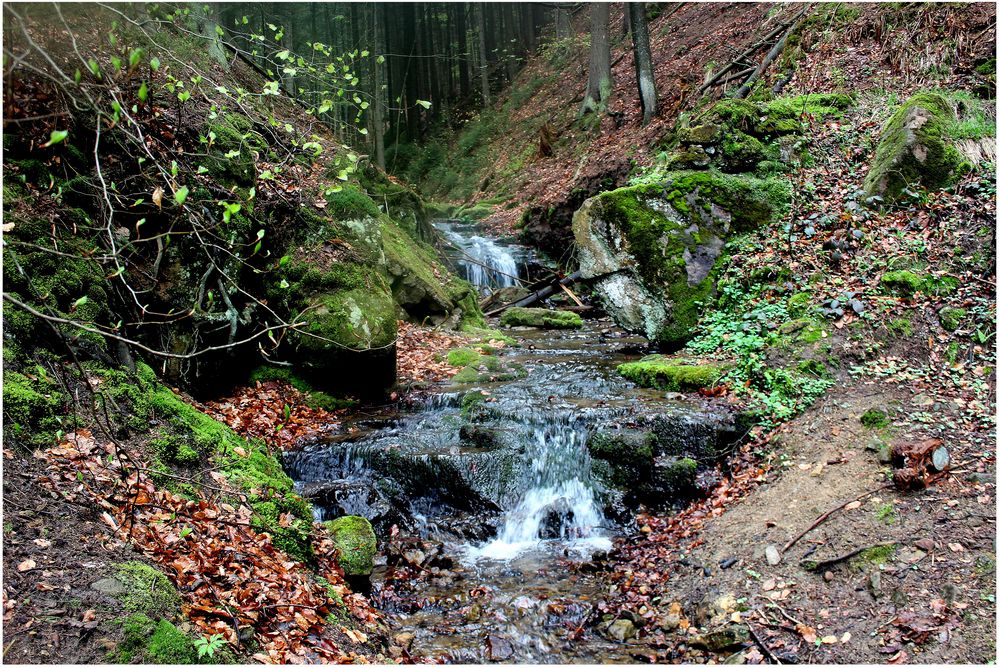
{"x": 483, "y": 262}
{"x": 559, "y": 501}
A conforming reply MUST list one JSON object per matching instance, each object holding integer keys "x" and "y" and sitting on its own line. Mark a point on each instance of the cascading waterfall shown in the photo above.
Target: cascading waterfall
{"x": 483, "y": 262}
{"x": 559, "y": 501}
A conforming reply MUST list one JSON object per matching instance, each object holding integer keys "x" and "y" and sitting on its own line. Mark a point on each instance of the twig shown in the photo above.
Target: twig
{"x": 824, "y": 516}
{"x": 763, "y": 648}
{"x": 826, "y": 563}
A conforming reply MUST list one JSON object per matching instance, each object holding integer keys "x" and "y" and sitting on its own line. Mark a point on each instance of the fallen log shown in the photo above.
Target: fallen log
{"x": 539, "y": 293}
{"x": 777, "y": 49}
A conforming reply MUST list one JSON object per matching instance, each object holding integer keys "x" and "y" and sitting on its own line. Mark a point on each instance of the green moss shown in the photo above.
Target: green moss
{"x": 664, "y": 374}
{"x": 813, "y": 368}
{"x": 357, "y": 319}
{"x": 679, "y": 477}
{"x": 31, "y": 408}
{"x": 470, "y": 400}
{"x": 147, "y": 641}
{"x": 903, "y": 283}
{"x": 901, "y": 326}
{"x": 912, "y": 153}
{"x": 147, "y": 591}
{"x": 231, "y": 153}
{"x": 875, "y": 556}
{"x": 950, "y": 317}
{"x": 175, "y": 451}
{"x": 799, "y": 304}
{"x": 540, "y": 317}
{"x": 940, "y": 286}
{"x": 350, "y": 203}
{"x": 615, "y": 448}
{"x": 487, "y": 334}
{"x": 462, "y": 357}
{"x": 355, "y": 542}
{"x": 874, "y": 418}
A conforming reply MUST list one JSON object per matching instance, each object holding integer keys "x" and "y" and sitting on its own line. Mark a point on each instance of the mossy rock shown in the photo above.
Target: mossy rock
{"x": 950, "y": 317}
{"x": 914, "y": 149}
{"x": 231, "y": 151}
{"x": 357, "y": 319}
{"x": 875, "y": 418}
{"x": 902, "y": 283}
{"x": 676, "y": 478}
{"x": 799, "y": 304}
{"x": 147, "y": 591}
{"x": 655, "y": 250}
{"x": 355, "y": 543}
{"x": 518, "y": 316}
{"x": 666, "y": 374}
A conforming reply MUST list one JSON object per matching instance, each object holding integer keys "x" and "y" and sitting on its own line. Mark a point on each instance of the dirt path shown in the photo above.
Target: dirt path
{"x": 939, "y": 580}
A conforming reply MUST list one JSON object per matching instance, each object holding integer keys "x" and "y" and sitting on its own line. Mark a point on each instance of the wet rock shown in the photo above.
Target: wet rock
{"x": 404, "y": 640}
{"x": 355, "y": 543}
{"x": 479, "y": 436}
{"x": 556, "y": 518}
{"x": 722, "y": 639}
{"x": 498, "y": 648}
{"x": 670, "y": 622}
{"x": 772, "y": 554}
{"x": 737, "y": 659}
{"x": 540, "y": 317}
{"x": 414, "y": 557}
{"x": 621, "y": 630}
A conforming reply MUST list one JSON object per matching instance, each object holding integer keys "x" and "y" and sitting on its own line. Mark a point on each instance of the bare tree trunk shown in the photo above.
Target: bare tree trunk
{"x": 644, "y": 73}
{"x": 562, "y": 25}
{"x": 483, "y": 54}
{"x": 600, "y": 83}
{"x": 378, "y": 115}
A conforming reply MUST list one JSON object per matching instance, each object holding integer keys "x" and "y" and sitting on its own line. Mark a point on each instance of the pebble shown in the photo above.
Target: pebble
{"x": 828, "y": 576}
{"x": 621, "y": 630}
{"x": 772, "y": 555}
{"x": 924, "y": 544}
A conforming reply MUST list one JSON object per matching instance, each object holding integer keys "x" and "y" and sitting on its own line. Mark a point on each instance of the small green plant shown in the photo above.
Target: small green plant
{"x": 207, "y": 646}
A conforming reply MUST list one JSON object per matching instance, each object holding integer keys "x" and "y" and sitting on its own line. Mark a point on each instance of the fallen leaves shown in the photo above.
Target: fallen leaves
{"x": 231, "y": 577}
{"x": 26, "y": 565}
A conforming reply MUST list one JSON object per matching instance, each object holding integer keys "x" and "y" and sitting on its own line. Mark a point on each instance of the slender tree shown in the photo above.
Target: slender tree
{"x": 600, "y": 83}
{"x": 483, "y": 54}
{"x": 644, "y": 73}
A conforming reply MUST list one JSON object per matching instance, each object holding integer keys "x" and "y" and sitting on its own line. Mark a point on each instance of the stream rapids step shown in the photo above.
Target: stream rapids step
{"x": 507, "y": 487}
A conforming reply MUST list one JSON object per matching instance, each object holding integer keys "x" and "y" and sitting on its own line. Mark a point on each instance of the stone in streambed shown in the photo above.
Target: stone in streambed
{"x": 498, "y": 648}
{"x": 355, "y": 543}
{"x": 621, "y": 630}
{"x": 717, "y": 641}
{"x": 540, "y": 317}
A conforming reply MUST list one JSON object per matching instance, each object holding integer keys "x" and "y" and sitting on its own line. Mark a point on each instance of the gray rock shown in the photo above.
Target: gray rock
{"x": 721, "y": 639}
{"x": 621, "y": 630}
{"x": 109, "y": 586}
{"x": 498, "y": 648}
{"x": 772, "y": 555}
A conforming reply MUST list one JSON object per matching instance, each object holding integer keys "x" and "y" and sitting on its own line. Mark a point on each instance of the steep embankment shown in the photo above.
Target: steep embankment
{"x": 171, "y": 218}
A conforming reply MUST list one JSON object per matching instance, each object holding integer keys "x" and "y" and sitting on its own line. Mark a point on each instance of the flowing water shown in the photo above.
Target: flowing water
{"x": 480, "y": 260}
{"x": 492, "y": 501}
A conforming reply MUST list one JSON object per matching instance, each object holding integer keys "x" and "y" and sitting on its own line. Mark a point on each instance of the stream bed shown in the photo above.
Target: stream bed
{"x": 487, "y": 504}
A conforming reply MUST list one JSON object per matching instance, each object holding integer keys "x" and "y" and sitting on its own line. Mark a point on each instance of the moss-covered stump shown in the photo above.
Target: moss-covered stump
{"x": 355, "y": 543}
{"x": 540, "y": 317}
{"x": 915, "y": 149}
{"x": 654, "y": 250}
{"x": 666, "y": 374}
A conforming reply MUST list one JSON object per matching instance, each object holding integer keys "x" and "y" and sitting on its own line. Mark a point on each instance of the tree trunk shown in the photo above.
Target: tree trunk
{"x": 563, "y": 27}
{"x": 644, "y": 73}
{"x": 380, "y": 89}
{"x": 465, "y": 58}
{"x": 600, "y": 84}
{"x": 483, "y": 55}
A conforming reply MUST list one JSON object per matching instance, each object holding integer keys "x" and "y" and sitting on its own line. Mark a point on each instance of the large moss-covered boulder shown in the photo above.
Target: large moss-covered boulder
{"x": 653, "y": 251}
{"x": 355, "y": 543}
{"x": 518, "y": 316}
{"x": 915, "y": 148}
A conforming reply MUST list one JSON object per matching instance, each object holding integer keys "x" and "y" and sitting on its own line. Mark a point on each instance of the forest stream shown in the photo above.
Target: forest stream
{"x": 494, "y": 500}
